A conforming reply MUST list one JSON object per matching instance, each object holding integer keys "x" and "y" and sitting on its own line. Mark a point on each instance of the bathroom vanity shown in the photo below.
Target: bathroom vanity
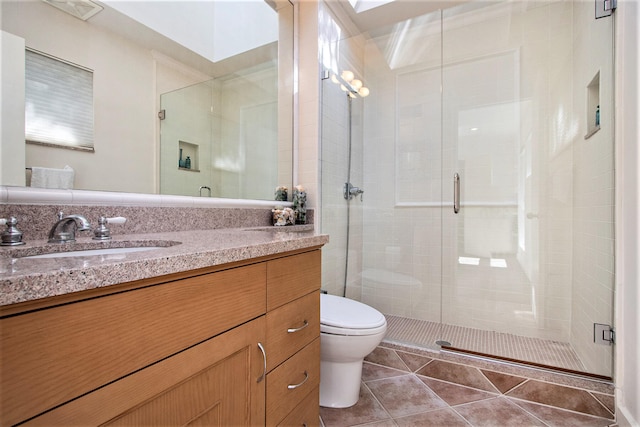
{"x": 232, "y": 343}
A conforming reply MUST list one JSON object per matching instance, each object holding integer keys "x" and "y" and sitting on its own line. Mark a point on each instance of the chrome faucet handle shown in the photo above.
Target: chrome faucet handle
{"x": 11, "y": 236}
{"x": 102, "y": 232}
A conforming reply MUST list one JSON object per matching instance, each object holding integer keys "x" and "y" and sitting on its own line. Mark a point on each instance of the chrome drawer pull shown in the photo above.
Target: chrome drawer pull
{"x": 264, "y": 358}
{"x": 292, "y": 330}
{"x": 292, "y": 386}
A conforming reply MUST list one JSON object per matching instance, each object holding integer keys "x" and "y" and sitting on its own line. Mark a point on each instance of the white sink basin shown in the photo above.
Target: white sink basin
{"x": 93, "y": 252}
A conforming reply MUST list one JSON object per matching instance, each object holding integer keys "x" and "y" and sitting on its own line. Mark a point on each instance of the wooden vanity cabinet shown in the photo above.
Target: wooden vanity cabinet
{"x": 211, "y": 384}
{"x": 293, "y": 340}
{"x": 177, "y": 352}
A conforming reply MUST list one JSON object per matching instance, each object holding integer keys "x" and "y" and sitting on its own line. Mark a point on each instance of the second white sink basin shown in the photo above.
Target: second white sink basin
{"x": 93, "y": 252}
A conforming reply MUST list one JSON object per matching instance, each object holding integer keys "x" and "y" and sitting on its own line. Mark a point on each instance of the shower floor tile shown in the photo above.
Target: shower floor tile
{"x": 406, "y": 386}
{"x": 424, "y": 334}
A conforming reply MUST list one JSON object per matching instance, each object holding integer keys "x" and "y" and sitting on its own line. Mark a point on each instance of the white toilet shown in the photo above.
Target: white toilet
{"x": 349, "y": 331}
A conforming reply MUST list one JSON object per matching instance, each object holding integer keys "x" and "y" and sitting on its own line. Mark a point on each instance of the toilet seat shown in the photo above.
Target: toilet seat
{"x": 343, "y": 316}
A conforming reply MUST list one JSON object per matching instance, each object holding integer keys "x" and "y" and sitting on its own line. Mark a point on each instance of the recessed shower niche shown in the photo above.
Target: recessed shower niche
{"x": 593, "y": 106}
{"x": 188, "y": 156}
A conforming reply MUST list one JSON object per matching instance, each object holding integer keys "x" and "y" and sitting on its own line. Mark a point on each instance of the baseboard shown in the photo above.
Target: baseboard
{"x": 623, "y": 418}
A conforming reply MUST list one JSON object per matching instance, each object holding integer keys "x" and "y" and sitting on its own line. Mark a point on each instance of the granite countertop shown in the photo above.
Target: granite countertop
{"x": 25, "y": 279}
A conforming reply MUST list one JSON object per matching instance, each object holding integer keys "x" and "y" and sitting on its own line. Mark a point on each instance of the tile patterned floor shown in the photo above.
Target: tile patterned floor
{"x": 425, "y": 334}
{"x": 404, "y": 386}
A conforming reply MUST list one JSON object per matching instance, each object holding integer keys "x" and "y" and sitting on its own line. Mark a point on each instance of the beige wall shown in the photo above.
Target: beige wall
{"x": 307, "y": 128}
{"x": 12, "y": 110}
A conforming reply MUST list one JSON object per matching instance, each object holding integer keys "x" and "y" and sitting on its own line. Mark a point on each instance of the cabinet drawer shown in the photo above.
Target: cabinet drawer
{"x": 54, "y": 355}
{"x": 292, "y": 381}
{"x": 292, "y": 277}
{"x": 210, "y": 384}
{"x": 307, "y": 413}
{"x": 291, "y": 327}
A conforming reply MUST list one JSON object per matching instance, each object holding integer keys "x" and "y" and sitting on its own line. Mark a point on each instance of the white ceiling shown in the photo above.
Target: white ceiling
{"x": 215, "y": 29}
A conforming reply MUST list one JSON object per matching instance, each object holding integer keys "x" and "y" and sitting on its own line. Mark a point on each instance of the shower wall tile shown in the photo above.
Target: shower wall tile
{"x": 593, "y": 216}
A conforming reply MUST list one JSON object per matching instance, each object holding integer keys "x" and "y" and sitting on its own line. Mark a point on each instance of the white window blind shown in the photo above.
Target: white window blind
{"x": 59, "y": 102}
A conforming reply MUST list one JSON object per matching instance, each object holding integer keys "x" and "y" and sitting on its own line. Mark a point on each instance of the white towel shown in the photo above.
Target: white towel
{"x": 52, "y": 178}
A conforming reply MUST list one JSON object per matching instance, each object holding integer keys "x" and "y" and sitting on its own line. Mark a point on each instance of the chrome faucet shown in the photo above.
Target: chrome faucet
{"x": 64, "y": 230}
{"x": 350, "y": 191}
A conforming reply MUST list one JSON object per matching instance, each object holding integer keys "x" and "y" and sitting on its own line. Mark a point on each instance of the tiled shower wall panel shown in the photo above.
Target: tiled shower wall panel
{"x": 403, "y": 220}
{"x": 593, "y": 216}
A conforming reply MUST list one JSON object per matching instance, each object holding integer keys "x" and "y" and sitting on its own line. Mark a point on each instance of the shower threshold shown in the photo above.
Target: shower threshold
{"x": 510, "y": 348}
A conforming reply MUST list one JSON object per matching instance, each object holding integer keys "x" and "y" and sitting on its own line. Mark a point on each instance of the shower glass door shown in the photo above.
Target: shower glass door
{"x": 505, "y": 95}
{"x": 528, "y": 258}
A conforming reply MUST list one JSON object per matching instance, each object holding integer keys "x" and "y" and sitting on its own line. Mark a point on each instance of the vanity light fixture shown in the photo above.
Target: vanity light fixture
{"x": 348, "y": 83}
{"x": 81, "y": 9}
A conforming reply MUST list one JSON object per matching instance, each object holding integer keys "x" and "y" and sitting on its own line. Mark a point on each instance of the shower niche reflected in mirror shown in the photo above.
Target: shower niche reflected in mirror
{"x": 188, "y": 156}
{"x": 227, "y": 130}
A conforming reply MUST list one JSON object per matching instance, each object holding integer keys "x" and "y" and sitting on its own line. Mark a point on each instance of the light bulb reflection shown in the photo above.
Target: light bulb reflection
{"x": 363, "y": 91}
{"x": 347, "y": 75}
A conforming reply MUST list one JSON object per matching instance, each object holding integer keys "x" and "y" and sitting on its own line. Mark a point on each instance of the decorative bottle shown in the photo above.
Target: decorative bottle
{"x": 281, "y": 194}
{"x": 300, "y": 204}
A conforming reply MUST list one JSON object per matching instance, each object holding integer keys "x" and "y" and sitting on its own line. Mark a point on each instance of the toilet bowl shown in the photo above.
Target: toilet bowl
{"x": 349, "y": 331}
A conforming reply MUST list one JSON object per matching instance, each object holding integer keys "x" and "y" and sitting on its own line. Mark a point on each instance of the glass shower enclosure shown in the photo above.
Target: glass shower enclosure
{"x": 485, "y": 152}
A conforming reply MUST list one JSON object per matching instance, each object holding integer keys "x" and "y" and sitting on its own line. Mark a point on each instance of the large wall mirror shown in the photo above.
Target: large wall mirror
{"x": 190, "y": 98}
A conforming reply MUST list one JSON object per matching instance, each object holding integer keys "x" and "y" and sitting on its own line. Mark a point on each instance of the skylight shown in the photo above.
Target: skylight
{"x": 364, "y": 5}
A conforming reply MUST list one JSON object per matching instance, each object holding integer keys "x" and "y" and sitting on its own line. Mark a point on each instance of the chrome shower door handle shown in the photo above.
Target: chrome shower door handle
{"x": 456, "y": 193}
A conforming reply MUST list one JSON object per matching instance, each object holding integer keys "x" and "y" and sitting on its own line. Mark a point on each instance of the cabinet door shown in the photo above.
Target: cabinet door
{"x": 212, "y": 384}
{"x": 52, "y": 356}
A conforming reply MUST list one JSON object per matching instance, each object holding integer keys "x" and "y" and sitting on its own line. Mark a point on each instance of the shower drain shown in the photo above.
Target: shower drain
{"x": 443, "y": 343}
